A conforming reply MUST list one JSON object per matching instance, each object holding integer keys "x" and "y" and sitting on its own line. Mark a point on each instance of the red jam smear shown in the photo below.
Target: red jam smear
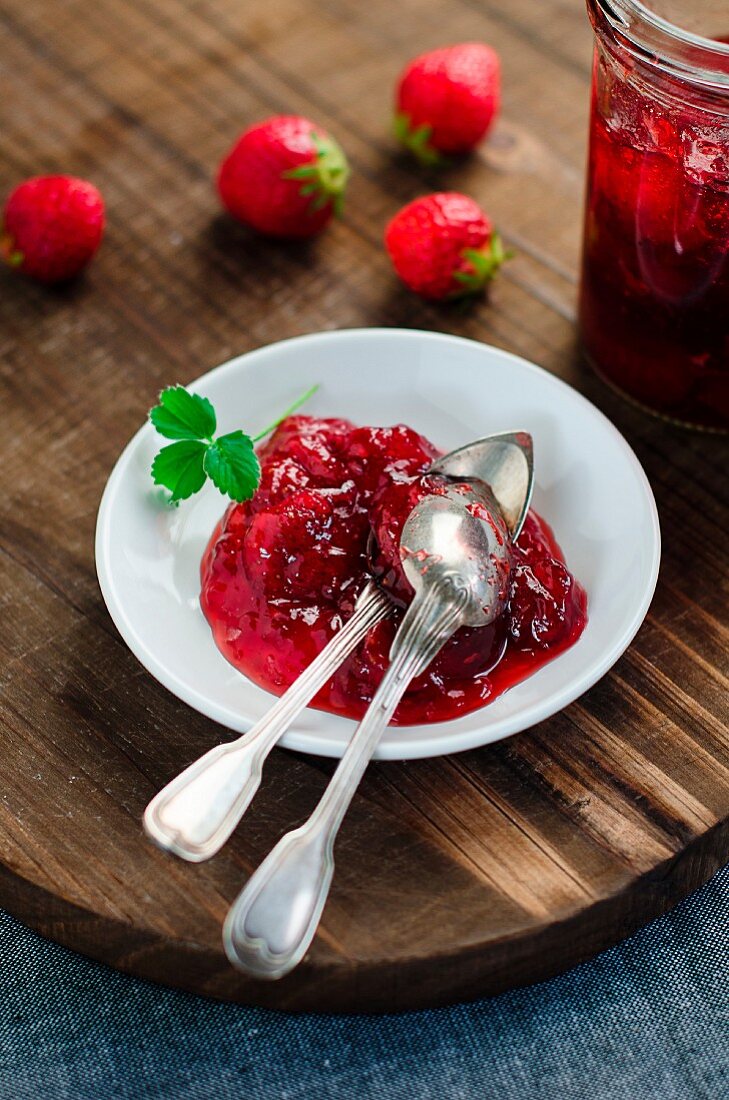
{"x": 282, "y": 572}
{"x": 655, "y": 281}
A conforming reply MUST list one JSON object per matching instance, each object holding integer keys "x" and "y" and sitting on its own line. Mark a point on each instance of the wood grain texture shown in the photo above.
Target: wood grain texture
{"x": 457, "y": 876}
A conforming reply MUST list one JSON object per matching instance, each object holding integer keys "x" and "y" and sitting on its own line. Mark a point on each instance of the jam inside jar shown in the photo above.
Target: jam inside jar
{"x": 654, "y": 303}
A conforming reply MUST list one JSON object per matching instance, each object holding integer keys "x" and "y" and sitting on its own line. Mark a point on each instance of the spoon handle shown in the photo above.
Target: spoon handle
{"x": 273, "y": 920}
{"x": 196, "y": 812}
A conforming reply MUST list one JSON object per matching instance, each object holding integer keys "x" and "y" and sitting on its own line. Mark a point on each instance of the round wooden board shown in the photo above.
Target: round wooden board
{"x": 455, "y": 877}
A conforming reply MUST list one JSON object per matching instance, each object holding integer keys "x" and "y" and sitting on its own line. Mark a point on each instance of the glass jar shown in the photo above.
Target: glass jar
{"x": 654, "y": 302}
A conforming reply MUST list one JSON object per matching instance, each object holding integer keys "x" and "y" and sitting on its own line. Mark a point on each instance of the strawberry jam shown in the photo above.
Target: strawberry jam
{"x": 283, "y": 570}
{"x": 655, "y": 278}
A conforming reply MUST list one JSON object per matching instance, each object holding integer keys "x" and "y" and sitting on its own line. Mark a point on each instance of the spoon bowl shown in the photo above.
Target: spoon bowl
{"x": 504, "y": 462}
{"x": 459, "y": 536}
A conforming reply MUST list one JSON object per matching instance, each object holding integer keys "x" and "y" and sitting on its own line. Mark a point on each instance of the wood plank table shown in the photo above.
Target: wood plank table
{"x": 456, "y": 876}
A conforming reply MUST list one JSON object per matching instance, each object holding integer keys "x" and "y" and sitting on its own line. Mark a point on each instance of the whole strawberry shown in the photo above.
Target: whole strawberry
{"x": 447, "y": 99}
{"x": 284, "y": 177}
{"x": 52, "y": 227}
{"x": 444, "y": 246}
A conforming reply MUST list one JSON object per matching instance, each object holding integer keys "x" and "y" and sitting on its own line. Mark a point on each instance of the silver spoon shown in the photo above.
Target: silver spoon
{"x": 505, "y": 462}
{"x": 197, "y": 811}
{"x": 456, "y": 553}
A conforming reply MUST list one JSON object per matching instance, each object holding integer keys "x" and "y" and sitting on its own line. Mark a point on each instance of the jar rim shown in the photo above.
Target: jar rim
{"x": 666, "y": 45}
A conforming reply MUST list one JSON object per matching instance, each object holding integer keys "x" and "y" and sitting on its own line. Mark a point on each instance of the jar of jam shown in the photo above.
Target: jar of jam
{"x": 654, "y": 304}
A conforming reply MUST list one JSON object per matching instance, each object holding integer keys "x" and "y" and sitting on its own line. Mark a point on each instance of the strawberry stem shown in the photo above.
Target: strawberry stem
{"x": 482, "y": 266}
{"x": 9, "y": 253}
{"x": 417, "y": 140}
{"x": 325, "y": 177}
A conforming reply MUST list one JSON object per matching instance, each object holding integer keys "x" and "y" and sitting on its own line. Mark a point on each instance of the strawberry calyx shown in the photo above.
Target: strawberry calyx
{"x": 417, "y": 140}
{"x": 484, "y": 263}
{"x": 324, "y": 179}
{"x": 8, "y": 252}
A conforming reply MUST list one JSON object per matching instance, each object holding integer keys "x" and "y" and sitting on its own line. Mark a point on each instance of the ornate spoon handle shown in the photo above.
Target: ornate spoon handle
{"x": 273, "y": 920}
{"x": 196, "y": 812}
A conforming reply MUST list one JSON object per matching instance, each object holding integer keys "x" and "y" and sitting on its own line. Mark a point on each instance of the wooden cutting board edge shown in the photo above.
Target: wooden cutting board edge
{"x": 412, "y": 982}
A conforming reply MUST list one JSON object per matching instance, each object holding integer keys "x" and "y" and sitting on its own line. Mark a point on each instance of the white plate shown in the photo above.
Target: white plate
{"x": 589, "y": 486}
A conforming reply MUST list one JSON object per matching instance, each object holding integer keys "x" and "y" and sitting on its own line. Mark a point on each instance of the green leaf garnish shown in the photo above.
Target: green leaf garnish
{"x": 230, "y": 461}
{"x": 181, "y": 468}
{"x": 183, "y": 415}
{"x": 232, "y": 465}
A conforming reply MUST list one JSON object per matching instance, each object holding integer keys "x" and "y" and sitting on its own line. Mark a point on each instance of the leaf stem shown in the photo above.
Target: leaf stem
{"x": 291, "y": 409}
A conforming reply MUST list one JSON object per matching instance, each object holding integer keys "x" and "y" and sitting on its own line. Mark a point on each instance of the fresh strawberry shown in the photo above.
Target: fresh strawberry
{"x": 284, "y": 177}
{"x": 444, "y": 246}
{"x": 447, "y": 99}
{"x": 52, "y": 227}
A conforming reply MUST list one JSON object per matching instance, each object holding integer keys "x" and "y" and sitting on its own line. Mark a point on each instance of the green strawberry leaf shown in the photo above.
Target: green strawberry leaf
{"x": 302, "y": 172}
{"x": 180, "y": 468}
{"x": 417, "y": 140}
{"x": 12, "y": 256}
{"x": 183, "y": 415}
{"x": 232, "y": 465}
{"x": 324, "y": 177}
{"x": 401, "y": 126}
{"x": 484, "y": 265}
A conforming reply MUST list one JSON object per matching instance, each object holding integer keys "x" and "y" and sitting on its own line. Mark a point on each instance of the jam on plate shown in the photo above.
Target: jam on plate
{"x": 282, "y": 572}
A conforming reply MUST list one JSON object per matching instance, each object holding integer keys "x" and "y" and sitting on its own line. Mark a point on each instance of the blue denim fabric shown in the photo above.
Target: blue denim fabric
{"x": 647, "y": 1020}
